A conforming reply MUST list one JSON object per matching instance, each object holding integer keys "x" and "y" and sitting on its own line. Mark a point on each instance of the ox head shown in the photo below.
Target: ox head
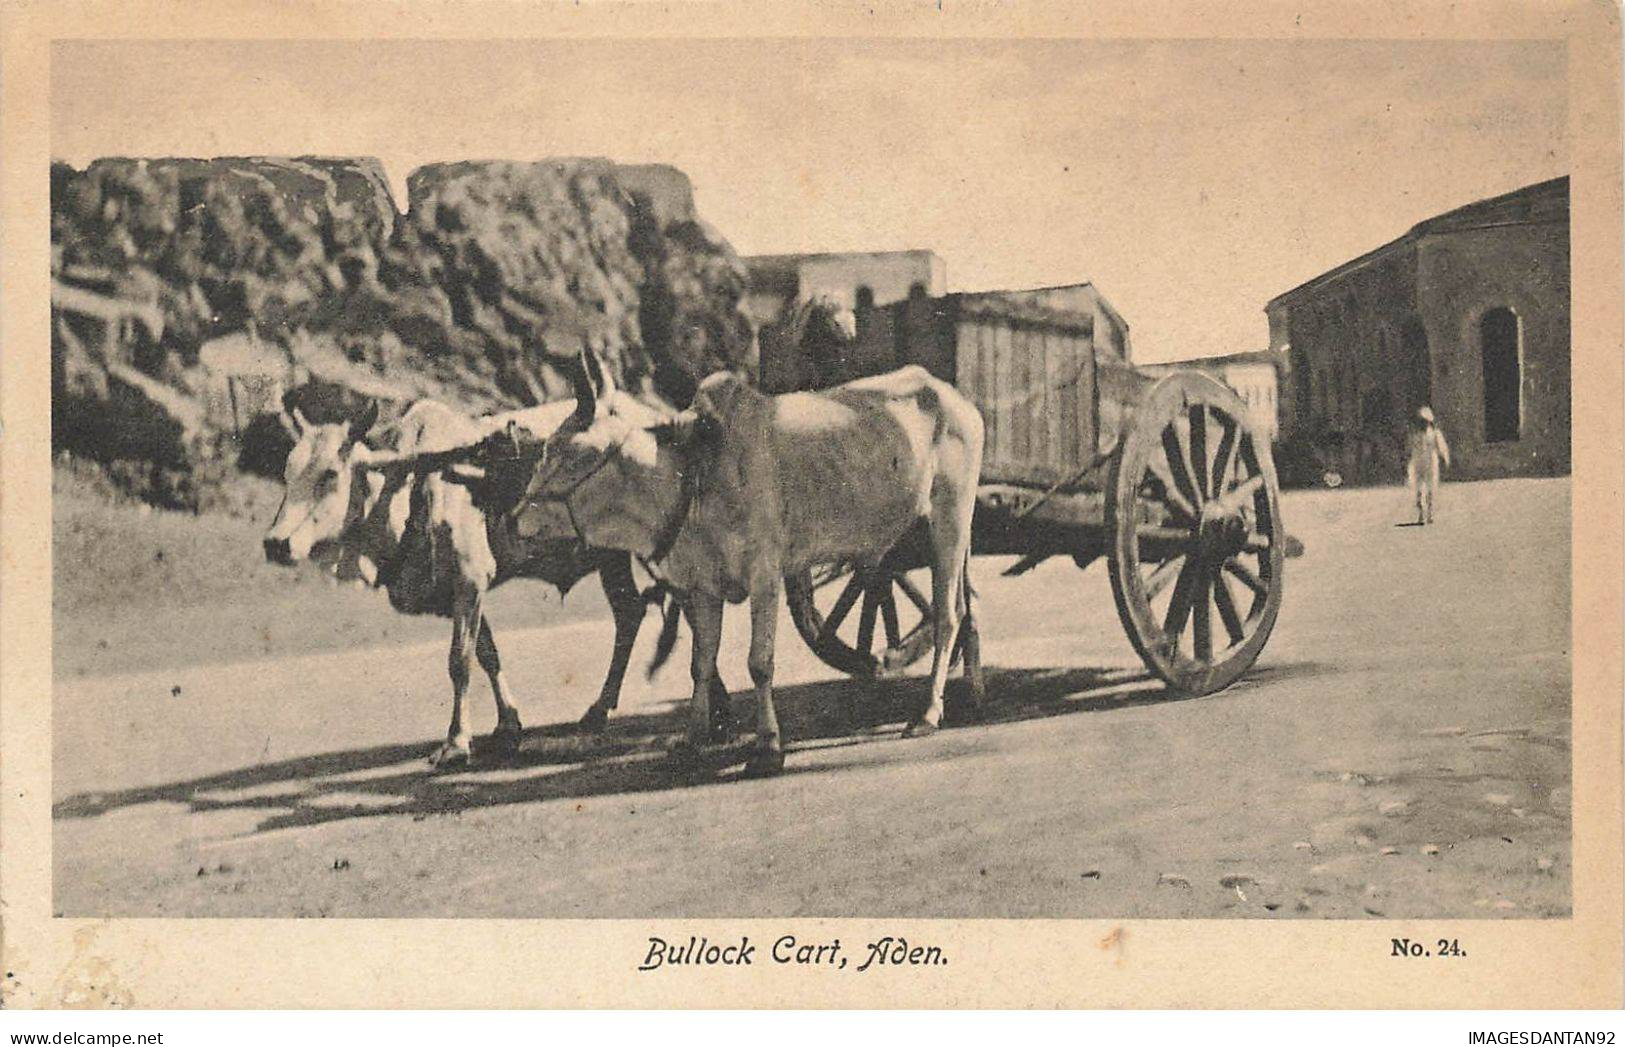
{"x": 321, "y": 489}
{"x": 608, "y": 433}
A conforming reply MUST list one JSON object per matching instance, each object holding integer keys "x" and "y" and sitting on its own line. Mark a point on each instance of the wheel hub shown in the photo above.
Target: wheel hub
{"x": 1221, "y": 532}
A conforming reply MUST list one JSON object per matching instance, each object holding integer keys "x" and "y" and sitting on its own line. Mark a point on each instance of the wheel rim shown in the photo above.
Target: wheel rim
{"x": 1197, "y": 544}
{"x": 865, "y": 621}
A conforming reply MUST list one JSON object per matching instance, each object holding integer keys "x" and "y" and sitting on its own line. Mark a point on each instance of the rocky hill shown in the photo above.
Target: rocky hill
{"x": 190, "y": 296}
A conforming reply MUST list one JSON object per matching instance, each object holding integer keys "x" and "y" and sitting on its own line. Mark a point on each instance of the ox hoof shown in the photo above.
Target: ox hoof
{"x": 594, "y": 721}
{"x": 450, "y": 757}
{"x": 764, "y": 763}
{"x": 503, "y": 742}
{"x": 920, "y": 729}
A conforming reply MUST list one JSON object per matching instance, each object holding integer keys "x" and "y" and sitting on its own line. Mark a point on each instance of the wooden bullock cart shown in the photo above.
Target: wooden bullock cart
{"x": 1085, "y": 457}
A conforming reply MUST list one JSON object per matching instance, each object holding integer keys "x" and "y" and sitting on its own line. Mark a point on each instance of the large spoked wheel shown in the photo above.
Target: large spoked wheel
{"x": 890, "y": 630}
{"x": 1196, "y": 543}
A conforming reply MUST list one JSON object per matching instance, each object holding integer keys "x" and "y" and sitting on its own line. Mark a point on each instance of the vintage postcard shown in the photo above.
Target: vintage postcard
{"x": 965, "y": 505}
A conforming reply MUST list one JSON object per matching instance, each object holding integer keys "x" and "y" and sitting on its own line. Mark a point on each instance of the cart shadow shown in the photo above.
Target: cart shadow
{"x": 555, "y": 762}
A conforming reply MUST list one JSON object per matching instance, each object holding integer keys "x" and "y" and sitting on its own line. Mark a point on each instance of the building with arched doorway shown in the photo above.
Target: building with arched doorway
{"x": 1468, "y": 312}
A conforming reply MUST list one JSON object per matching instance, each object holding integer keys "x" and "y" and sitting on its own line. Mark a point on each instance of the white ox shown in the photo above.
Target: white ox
{"x": 380, "y": 514}
{"x": 744, "y": 487}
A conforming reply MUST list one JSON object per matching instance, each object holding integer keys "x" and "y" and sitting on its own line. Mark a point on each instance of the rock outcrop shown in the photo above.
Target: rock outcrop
{"x": 196, "y": 293}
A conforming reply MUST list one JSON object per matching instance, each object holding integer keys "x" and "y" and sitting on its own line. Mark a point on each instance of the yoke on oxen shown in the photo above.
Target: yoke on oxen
{"x": 407, "y": 508}
{"x": 730, "y": 496}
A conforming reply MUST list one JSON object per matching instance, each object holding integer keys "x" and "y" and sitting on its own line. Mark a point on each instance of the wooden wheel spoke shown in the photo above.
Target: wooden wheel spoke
{"x": 843, "y": 606}
{"x": 830, "y": 574}
{"x": 852, "y": 650}
{"x": 1166, "y": 494}
{"x": 1236, "y": 498}
{"x": 1179, "y": 470}
{"x": 914, "y": 595}
{"x": 1202, "y": 619}
{"x": 1224, "y": 459}
{"x": 1179, "y": 608}
{"x": 1227, "y": 608}
{"x": 1198, "y": 449}
{"x": 1166, "y": 571}
{"x": 1261, "y": 502}
{"x": 1152, "y": 532}
{"x": 866, "y": 621}
{"x": 1237, "y": 569}
{"x": 1193, "y": 505}
{"x": 888, "y": 616}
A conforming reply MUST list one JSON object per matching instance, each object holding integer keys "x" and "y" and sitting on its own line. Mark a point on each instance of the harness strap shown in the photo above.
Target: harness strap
{"x": 387, "y": 570}
{"x": 669, "y": 531}
{"x": 674, "y": 523}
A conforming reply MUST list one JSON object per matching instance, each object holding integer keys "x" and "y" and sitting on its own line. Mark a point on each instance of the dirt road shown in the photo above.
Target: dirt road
{"x": 1402, "y": 749}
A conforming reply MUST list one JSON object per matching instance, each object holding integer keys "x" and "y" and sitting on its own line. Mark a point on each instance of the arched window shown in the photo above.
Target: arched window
{"x": 1503, "y": 375}
{"x": 865, "y": 298}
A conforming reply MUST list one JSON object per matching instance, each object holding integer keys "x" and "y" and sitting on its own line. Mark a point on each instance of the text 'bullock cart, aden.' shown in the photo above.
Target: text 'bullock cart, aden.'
{"x": 1084, "y": 457}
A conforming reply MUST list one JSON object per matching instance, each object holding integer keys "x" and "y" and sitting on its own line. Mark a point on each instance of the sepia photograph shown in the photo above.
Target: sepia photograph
{"x": 691, "y": 479}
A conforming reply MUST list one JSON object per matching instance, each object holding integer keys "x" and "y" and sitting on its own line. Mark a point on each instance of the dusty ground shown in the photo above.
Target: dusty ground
{"x": 134, "y": 589}
{"x": 251, "y": 743}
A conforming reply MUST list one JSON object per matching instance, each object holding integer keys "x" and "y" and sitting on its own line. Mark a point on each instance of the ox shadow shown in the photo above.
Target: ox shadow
{"x": 861, "y": 718}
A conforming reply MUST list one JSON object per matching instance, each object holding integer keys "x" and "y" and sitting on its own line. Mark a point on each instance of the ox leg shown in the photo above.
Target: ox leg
{"x": 626, "y": 605}
{"x": 970, "y": 640}
{"x": 465, "y": 621}
{"x": 950, "y": 541}
{"x": 768, "y": 757}
{"x": 505, "y": 739}
{"x": 722, "y": 716}
{"x": 945, "y": 629}
{"x": 704, "y": 613}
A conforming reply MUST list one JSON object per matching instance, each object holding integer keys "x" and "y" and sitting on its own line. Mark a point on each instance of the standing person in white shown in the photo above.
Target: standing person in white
{"x": 1427, "y": 450}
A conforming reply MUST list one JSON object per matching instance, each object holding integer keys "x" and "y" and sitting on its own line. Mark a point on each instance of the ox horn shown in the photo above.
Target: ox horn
{"x": 593, "y": 384}
{"x": 585, "y": 395}
{"x": 601, "y": 379}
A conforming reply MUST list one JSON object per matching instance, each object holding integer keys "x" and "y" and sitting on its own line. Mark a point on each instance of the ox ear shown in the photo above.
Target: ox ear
{"x": 686, "y": 427}
{"x": 360, "y": 426}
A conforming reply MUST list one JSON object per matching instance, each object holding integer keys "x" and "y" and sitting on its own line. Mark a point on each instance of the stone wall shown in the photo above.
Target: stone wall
{"x": 1376, "y": 338}
{"x": 1351, "y": 388}
{"x": 1462, "y": 276}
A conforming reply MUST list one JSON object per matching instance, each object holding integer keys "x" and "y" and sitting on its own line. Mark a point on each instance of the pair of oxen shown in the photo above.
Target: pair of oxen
{"x": 719, "y": 502}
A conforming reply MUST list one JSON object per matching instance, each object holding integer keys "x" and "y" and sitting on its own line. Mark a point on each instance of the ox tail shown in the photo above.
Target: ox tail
{"x": 966, "y": 595}
{"x": 932, "y": 404}
{"x": 671, "y": 619}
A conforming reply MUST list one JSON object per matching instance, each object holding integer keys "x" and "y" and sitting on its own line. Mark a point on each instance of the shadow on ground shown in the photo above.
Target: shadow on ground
{"x": 555, "y": 762}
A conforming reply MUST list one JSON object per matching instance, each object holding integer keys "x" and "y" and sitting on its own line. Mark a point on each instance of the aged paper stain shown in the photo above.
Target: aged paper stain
{"x": 1114, "y": 942}
{"x": 88, "y": 982}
